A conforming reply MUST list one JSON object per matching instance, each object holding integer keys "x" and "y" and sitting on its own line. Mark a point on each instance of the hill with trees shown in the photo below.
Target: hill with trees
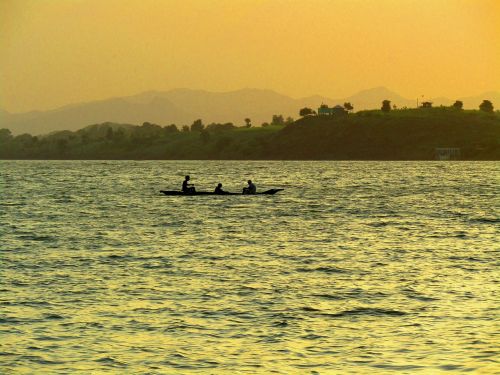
{"x": 385, "y": 134}
{"x": 183, "y": 106}
{"x": 412, "y": 134}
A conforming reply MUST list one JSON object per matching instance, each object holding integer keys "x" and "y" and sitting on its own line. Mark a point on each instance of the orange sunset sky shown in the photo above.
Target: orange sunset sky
{"x": 55, "y": 52}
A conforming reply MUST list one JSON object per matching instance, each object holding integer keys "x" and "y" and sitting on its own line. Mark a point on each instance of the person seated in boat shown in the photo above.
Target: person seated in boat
{"x": 250, "y": 189}
{"x": 218, "y": 189}
{"x": 187, "y": 187}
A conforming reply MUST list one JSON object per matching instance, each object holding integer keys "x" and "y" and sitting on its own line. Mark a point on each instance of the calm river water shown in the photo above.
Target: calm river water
{"x": 356, "y": 267}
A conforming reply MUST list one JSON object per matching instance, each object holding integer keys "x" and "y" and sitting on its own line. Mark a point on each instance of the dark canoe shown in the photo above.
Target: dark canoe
{"x": 169, "y": 192}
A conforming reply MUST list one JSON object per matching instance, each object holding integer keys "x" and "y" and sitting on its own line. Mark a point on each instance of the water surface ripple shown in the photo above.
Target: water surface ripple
{"x": 357, "y": 267}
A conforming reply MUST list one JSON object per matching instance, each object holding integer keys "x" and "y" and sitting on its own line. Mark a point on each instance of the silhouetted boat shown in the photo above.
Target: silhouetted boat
{"x": 170, "y": 192}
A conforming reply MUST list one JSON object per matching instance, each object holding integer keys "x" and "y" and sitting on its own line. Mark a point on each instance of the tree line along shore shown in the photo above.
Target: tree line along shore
{"x": 327, "y": 134}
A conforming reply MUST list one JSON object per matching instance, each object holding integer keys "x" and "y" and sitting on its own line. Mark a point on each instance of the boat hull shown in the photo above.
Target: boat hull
{"x": 177, "y": 193}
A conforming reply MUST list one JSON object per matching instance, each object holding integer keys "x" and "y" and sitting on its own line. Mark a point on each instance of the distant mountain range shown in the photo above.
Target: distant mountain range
{"x": 183, "y": 106}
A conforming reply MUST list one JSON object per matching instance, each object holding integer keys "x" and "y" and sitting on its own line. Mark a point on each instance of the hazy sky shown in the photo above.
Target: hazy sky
{"x": 55, "y": 52}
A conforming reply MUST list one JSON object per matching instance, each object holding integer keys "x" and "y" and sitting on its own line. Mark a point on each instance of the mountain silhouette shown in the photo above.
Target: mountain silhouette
{"x": 372, "y": 98}
{"x": 183, "y": 106}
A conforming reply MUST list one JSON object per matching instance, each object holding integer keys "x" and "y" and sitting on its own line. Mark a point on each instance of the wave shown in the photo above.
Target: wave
{"x": 110, "y": 362}
{"x": 322, "y": 269}
{"x": 369, "y": 311}
{"x": 53, "y": 316}
{"x": 360, "y": 311}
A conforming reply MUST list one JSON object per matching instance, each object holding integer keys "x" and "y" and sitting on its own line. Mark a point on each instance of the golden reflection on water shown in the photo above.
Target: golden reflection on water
{"x": 381, "y": 268}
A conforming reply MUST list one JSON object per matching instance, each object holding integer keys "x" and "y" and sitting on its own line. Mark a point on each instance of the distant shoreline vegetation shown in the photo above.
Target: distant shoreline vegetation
{"x": 327, "y": 134}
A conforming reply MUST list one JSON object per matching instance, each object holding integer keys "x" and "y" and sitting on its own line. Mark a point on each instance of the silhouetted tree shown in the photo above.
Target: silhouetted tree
{"x": 486, "y": 106}
{"x": 458, "y": 104}
{"x": 205, "y": 136}
{"x": 62, "y": 145}
{"x": 147, "y": 132}
{"x": 119, "y": 134}
{"x": 24, "y": 139}
{"x": 248, "y": 123}
{"x": 386, "y": 105}
{"x": 185, "y": 128}
{"x": 305, "y": 112}
{"x": 289, "y": 120}
{"x": 394, "y": 106}
{"x": 223, "y": 142}
{"x": 265, "y": 124}
{"x": 427, "y": 105}
{"x": 197, "y": 126}
{"x": 5, "y": 135}
{"x": 278, "y": 120}
{"x": 85, "y": 138}
{"x": 169, "y": 129}
{"x": 109, "y": 134}
{"x": 348, "y": 106}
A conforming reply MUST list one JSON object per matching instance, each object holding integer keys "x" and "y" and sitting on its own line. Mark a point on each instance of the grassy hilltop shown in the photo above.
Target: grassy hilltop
{"x": 405, "y": 134}
{"x": 410, "y": 134}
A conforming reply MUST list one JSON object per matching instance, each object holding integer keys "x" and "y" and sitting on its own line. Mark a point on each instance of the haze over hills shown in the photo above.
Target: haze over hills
{"x": 183, "y": 106}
